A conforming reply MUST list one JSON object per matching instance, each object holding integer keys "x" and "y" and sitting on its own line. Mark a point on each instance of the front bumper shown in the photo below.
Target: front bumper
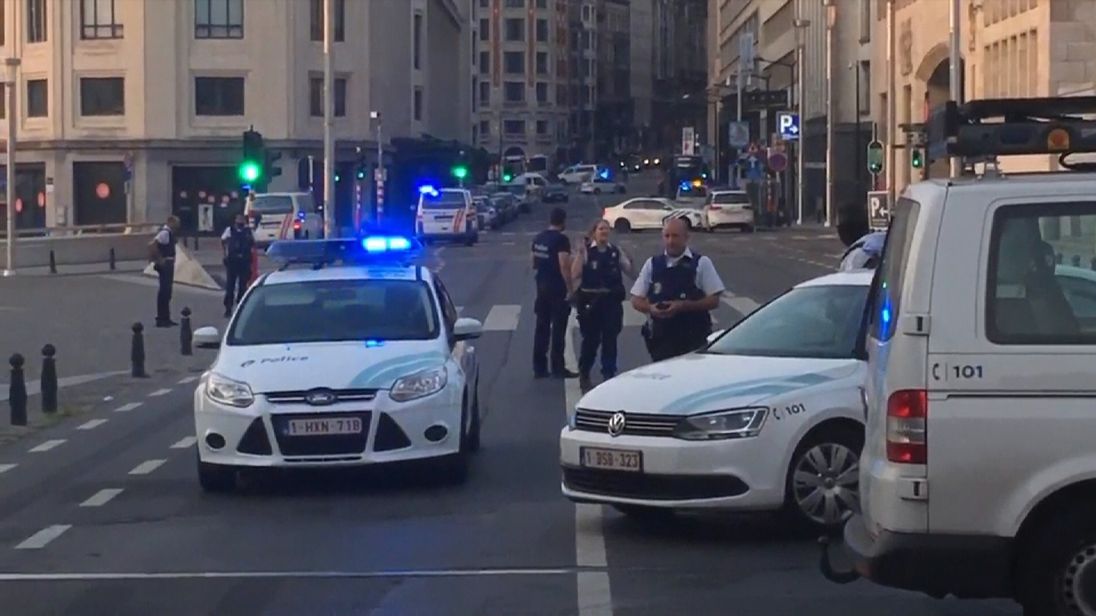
{"x": 967, "y": 566}
{"x": 392, "y": 432}
{"x": 733, "y": 474}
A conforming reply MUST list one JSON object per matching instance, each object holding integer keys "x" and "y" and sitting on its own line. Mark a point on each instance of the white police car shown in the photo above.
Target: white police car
{"x": 769, "y": 416}
{"x": 356, "y": 358}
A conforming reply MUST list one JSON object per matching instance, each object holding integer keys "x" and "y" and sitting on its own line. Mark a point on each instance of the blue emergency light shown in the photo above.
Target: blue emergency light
{"x": 375, "y": 244}
{"x": 604, "y": 174}
{"x": 428, "y": 190}
{"x": 685, "y": 187}
{"x": 370, "y": 248}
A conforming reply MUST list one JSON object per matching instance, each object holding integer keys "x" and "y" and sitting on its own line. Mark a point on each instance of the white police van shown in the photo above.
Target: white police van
{"x": 356, "y": 358}
{"x": 446, "y": 214}
{"x": 978, "y": 475}
{"x": 283, "y": 216}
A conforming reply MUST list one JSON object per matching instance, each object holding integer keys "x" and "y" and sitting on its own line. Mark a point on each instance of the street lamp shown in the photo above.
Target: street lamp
{"x": 831, "y": 22}
{"x": 379, "y": 179}
{"x": 13, "y": 68}
{"x": 801, "y": 108}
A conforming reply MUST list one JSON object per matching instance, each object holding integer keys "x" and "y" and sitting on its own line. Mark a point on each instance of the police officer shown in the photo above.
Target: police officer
{"x": 162, "y": 255}
{"x": 677, "y": 289}
{"x": 238, "y": 242}
{"x": 598, "y": 267}
{"x": 552, "y": 264}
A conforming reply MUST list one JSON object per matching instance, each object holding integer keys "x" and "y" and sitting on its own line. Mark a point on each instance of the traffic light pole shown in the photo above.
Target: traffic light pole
{"x": 328, "y": 119}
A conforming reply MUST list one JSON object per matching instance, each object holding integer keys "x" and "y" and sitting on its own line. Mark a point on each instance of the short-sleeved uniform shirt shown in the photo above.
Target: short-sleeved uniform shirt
{"x": 707, "y": 279}
{"x": 547, "y": 246}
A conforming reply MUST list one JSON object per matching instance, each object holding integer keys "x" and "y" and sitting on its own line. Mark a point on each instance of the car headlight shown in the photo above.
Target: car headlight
{"x": 419, "y": 384}
{"x": 227, "y": 391}
{"x": 739, "y": 423}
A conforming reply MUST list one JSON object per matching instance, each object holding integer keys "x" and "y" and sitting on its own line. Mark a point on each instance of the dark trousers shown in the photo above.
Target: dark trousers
{"x": 166, "y": 274}
{"x": 552, "y": 311}
{"x": 600, "y": 324}
{"x": 237, "y": 276}
{"x": 670, "y": 344}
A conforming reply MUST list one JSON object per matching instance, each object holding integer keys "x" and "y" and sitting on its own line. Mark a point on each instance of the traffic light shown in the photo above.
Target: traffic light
{"x": 506, "y": 177}
{"x": 460, "y": 172}
{"x": 361, "y": 165}
{"x": 875, "y": 157}
{"x": 253, "y": 161}
{"x": 271, "y": 169}
{"x": 917, "y": 158}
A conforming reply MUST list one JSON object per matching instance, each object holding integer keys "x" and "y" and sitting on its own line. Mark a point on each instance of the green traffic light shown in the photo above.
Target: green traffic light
{"x": 250, "y": 171}
{"x": 460, "y": 172}
{"x": 917, "y": 159}
{"x": 507, "y": 177}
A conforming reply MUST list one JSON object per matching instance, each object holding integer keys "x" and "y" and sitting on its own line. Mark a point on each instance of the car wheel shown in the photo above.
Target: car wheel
{"x": 645, "y": 514}
{"x": 597, "y": 191}
{"x": 216, "y": 478}
{"x": 474, "y": 427}
{"x": 748, "y": 229}
{"x": 622, "y": 226}
{"x": 1057, "y": 568}
{"x": 822, "y": 488}
{"x": 454, "y": 467}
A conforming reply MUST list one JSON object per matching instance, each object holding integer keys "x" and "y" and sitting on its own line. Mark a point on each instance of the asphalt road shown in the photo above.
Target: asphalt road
{"x": 106, "y": 518}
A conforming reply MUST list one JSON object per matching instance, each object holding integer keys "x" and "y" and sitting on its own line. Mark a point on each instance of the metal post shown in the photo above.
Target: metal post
{"x": 801, "y": 109}
{"x": 831, "y": 121}
{"x": 859, "y": 142}
{"x": 380, "y": 171}
{"x": 955, "y": 57}
{"x": 9, "y": 265}
{"x": 892, "y": 93}
{"x": 328, "y": 119}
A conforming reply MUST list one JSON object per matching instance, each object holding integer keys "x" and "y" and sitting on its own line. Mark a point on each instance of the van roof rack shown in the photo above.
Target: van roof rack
{"x": 1024, "y": 126}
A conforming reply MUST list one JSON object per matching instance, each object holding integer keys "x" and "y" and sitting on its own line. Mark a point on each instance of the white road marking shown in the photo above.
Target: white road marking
{"x": 633, "y": 317}
{"x": 35, "y": 387}
{"x": 595, "y": 596}
{"x": 125, "y": 408}
{"x": 47, "y": 445}
{"x": 502, "y": 318}
{"x": 6, "y": 467}
{"x": 185, "y": 442}
{"x": 159, "y": 392}
{"x": 742, "y": 305}
{"x": 460, "y": 309}
{"x": 42, "y": 538}
{"x": 146, "y": 467}
{"x": 237, "y": 575}
{"x": 189, "y": 379}
{"x": 91, "y": 424}
{"x": 101, "y": 497}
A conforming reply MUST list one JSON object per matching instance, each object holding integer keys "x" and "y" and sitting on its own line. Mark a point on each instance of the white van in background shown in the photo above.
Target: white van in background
{"x": 283, "y": 216}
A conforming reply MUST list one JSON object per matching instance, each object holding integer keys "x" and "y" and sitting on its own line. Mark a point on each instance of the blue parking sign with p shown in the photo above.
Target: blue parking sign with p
{"x": 788, "y": 125}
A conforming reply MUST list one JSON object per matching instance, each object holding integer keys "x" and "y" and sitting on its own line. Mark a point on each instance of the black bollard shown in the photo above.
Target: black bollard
{"x": 52, "y": 263}
{"x": 137, "y": 352}
{"x": 17, "y": 392}
{"x": 195, "y": 241}
{"x": 1075, "y": 261}
{"x": 49, "y": 379}
{"x": 112, "y": 265}
{"x": 186, "y": 335}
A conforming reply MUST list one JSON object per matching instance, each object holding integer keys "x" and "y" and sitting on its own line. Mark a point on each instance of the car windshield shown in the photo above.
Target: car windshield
{"x": 272, "y": 204}
{"x": 813, "y": 321}
{"x": 515, "y": 189}
{"x": 443, "y": 200}
{"x": 334, "y": 311}
{"x": 730, "y": 198}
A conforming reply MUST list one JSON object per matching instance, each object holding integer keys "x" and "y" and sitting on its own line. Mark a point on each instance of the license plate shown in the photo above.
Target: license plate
{"x": 612, "y": 459}
{"x": 324, "y": 427}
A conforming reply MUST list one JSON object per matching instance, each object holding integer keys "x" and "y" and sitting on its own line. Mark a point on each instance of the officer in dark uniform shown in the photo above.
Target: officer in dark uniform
{"x": 552, "y": 264}
{"x": 238, "y": 242}
{"x": 678, "y": 289}
{"x": 162, "y": 255}
{"x": 599, "y": 268}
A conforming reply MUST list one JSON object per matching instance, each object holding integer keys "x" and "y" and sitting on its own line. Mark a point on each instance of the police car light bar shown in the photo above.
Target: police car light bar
{"x": 348, "y": 251}
{"x": 1021, "y": 126}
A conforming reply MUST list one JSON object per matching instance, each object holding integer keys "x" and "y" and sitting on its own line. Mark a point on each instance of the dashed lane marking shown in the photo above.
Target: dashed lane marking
{"x": 6, "y": 467}
{"x": 125, "y": 408}
{"x": 101, "y": 497}
{"x": 42, "y": 538}
{"x": 47, "y": 445}
{"x": 186, "y": 380}
{"x": 185, "y": 442}
{"x": 147, "y": 467}
{"x": 159, "y": 392}
{"x": 742, "y": 305}
{"x": 502, "y": 318}
{"x": 91, "y": 424}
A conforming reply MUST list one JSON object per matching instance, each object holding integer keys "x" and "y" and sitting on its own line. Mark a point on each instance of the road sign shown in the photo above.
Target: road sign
{"x": 738, "y": 134}
{"x": 787, "y": 123}
{"x": 746, "y": 52}
{"x": 875, "y": 157}
{"x": 688, "y": 141}
{"x": 878, "y": 209}
{"x": 778, "y": 161}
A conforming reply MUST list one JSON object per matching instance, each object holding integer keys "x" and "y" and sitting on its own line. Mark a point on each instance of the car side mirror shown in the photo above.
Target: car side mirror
{"x": 207, "y": 338}
{"x": 467, "y": 329}
{"x": 715, "y": 335}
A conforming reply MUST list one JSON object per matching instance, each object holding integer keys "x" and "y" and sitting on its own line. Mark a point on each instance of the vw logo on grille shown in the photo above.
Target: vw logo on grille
{"x": 320, "y": 397}
{"x": 616, "y": 424}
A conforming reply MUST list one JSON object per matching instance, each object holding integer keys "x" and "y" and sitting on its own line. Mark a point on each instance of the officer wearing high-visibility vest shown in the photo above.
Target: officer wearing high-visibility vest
{"x": 677, "y": 289}
{"x": 599, "y": 268}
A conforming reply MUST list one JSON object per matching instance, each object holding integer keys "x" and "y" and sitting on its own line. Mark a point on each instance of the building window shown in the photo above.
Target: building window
{"x": 102, "y": 96}
{"x": 98, "y": 20}
{"x": 515, "y": 4}
{"x": 513, "y": 62}
{"x": 316, "y": 21}
{"x": 485, "y": 92}
{"x": 542, "y": 30}
{"x": 219, "y": 19}
{"x": 542, "y": 4}
{"x": 542, "y": 92}
{"x": 483, "y": 3}
{"x": 515, "y": 29}
{"x": 542, "y": 127}
{"x": 484, "y": 62}
{"x": 219, "y": 96}
{"x": 514, "y": 92}
{"x": 36, "y": 21}
{"x": 315, "y": 96}
{"x": 418, "y": 104}
{"x": 417, "y": 38}
{"x": 37, "y": 98}
{"x": 542, "y": 63}
{"x": 484, "y": 30}
{"x": 514, "y": 127}
{"x": 3, "y": 24}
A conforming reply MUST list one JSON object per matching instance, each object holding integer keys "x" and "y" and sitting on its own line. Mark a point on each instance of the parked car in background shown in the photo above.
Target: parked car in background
{"x": 521, "y": 193}
{"x": 555, "y": 193}
{"x": 488, "y": 216}
{"x": 639, "y": 213}
{"x": 506, "y": 206}
{"x": 577, "y": 174}
{"x": 728, "y": 208}
{"x": 598, "y": 185}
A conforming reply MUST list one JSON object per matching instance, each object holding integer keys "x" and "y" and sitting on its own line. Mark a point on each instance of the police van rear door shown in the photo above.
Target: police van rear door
{"x": 443, "y": 212}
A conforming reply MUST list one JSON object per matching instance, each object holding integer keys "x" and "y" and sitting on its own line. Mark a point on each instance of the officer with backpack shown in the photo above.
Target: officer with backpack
{"x": 677, "y": 290}
{"x": 238, "y": 242}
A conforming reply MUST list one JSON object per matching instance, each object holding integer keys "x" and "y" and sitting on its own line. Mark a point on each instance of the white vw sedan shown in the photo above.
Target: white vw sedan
{"x": 361, "y": 363}
{"x": 769, "y": 416}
